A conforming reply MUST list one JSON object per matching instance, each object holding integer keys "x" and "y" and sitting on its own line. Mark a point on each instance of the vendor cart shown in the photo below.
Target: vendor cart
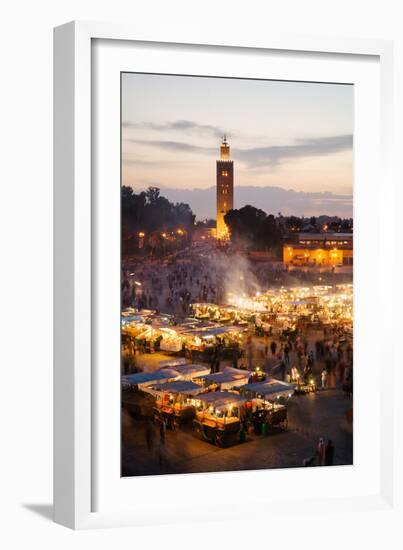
{"x": 228, "y": 379}
{"x": 218, "y": 417}
{"x": 306, "y": 385}
{"x": 174, "y": 402}
{"x": 266, "y": 402}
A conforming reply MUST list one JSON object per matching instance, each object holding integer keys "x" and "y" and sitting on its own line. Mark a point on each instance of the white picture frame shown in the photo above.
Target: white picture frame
{"x": 77, "y": 471}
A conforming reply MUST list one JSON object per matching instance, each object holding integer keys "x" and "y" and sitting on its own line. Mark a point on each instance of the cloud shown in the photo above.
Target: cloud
{"x": 264, "y": 156}
{"x": 177, "y": 125}
{"x": 175, "y": 146}
{"x": 309, "y": 147}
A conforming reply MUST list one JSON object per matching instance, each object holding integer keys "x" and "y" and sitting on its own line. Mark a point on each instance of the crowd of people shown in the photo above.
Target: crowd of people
{"x": 171, "y": 286}
{"x": 198, "y": 274}
{"x": 202, "y": 273}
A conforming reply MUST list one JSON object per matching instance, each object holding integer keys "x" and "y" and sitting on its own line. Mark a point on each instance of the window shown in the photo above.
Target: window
{"x": 224, "y": 173}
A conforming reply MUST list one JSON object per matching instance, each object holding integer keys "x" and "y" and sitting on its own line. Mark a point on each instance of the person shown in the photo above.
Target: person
{"x": 213, "y": 359}
{"x": 273, "y": 347}
{"x": 266, "y": 345}
{"x": 307, "y": 373}
{"x": 288, "y": 377}
{"x": 282, "y": 370}
{"x": 162, "y": 432}
{"x": 294, "y": 374}
{"x": 235, "y": 356}
{"x": 320, "y": 451}
{"x": 341, "y": 369}
{"x": 329, "y": 453}
{"x": 324, "y": 378}
{"x": 287, "y": 354}
{"x": 149, "y": 434}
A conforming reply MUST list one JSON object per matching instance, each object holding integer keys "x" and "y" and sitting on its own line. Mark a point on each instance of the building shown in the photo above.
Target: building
{"x": 225, "y": 189}
{"x": 203, "y": 234}
{"x": 319, "y": 249}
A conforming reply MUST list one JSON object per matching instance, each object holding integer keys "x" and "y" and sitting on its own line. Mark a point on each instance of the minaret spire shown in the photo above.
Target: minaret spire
{"x": 225, "y": 188}
{"x": 224, "y": 149}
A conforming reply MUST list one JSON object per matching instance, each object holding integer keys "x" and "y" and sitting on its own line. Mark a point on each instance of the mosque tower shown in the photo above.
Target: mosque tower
{"x": 225, "y": 189}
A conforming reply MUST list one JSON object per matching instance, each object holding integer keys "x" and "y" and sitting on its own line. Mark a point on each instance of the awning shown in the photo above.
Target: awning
{"x": 179, "y": 386}
{"x": 147, "y": 378}
{"x": 269, "y": 389}
{"x": 192, "y": 370}
{"x": 221, "y": 398}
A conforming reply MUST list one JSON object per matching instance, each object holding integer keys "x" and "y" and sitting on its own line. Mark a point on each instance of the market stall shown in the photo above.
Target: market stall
{"x": 266, "y": 403}
{"x": 174, "y": 401}
{"x": 142, "y": 380}
{"x": 218, "y": 417}
{"x": 171, "y": 340}
{"x": 173, "y": 363}
{"x": 228, "y": 379}
{"x": 192, "y": 371}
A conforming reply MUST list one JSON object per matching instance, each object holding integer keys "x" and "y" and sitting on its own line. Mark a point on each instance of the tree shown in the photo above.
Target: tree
{"x": 294, "y": 223}
{"x": 252, "y": 228}
{"x": 148, "y": 212}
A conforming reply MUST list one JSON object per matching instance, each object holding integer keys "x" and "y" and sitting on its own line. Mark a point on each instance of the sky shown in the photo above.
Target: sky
{"x": 291, "y": 142}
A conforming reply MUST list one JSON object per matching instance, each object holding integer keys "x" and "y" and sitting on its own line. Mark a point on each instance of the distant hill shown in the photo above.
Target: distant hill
{"x": 270, "y": 199}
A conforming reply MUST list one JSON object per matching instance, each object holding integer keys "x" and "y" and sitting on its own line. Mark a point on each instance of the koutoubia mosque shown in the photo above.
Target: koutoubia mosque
{"x": 225, "y": 189}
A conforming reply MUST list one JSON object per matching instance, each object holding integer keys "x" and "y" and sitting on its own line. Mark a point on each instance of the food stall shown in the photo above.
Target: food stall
{"x": 218, "y": 417}
{"x": 142, "y": 380}
{"x": 145, "y": 336}
{"x": 266, "y": 403}
{"x": 228, "y": 379}
{"x": 221, "y": 313}
{"x": 171, "y": 340}
{"x": 192, "y": 371}
{"x": 173, "y": 363}
{"x": 201, "y": 337}
{"x": 305, "y": 384}
{"x": 174, "y": 401}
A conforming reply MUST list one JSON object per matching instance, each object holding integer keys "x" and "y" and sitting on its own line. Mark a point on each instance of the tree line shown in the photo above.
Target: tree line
{"x": 149, "y": 211}
{"x": 152, "y": 223}
{"x": 252, "y": 228}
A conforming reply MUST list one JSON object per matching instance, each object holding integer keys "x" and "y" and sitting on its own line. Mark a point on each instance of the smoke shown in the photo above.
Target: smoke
{"x": 234, "y": 275}
{"x": 240, "y": 281}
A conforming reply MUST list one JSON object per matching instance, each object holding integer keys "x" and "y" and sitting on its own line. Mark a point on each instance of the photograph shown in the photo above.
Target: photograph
{"x": 236, "y": 274}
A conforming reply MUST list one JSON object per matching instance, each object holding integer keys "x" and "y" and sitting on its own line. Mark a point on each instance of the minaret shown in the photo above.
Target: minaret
{"x": 225, "y": 189}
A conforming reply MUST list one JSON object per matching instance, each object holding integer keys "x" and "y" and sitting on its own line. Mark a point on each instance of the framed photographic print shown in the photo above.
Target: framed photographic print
{"x": 217, "y": 275}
